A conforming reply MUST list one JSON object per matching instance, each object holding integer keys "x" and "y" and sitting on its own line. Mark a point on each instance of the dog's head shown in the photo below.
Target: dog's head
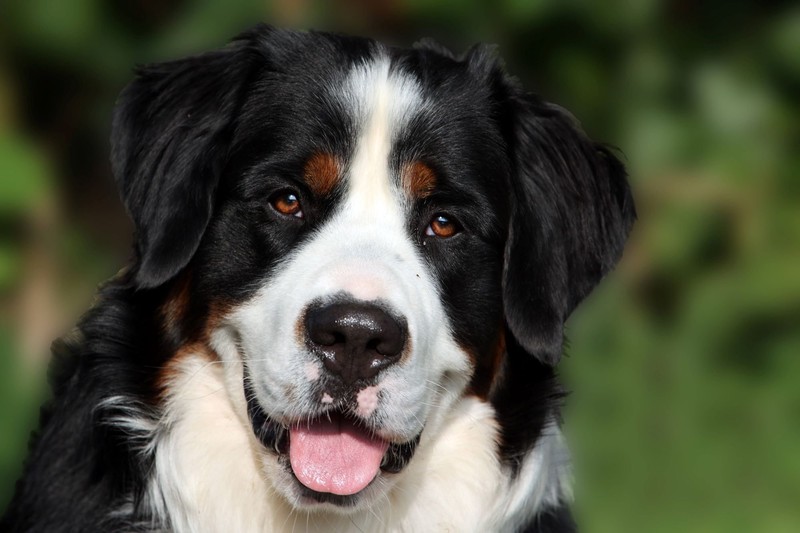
{"x": 355, "y": 230}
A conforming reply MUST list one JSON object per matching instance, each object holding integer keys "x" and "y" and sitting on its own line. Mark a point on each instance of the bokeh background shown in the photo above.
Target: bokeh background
{"x": 685, "y": 364}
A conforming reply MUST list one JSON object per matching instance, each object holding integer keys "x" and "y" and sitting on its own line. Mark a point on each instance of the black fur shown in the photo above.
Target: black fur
{"x": 83, "y": 467}
{"x": 552, "y": 520}
{"x": 571, "y": 214}
{"x": 201, "y": 144}
{"x": 170, "y": 133}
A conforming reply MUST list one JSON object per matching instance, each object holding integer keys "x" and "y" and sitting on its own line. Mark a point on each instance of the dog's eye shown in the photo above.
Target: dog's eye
{"x": 442, "y": 226}
{"x": 287, "y": 203}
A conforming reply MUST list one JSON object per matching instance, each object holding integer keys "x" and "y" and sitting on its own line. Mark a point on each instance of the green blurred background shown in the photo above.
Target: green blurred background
{"x": 685, "y": 364}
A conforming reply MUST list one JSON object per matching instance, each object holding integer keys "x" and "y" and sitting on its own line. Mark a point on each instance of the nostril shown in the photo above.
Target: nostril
{"x": 391, "y": 343}
{"x": 330, "y": 338}
{"x": 322, "y": 331}
{"x": 319, "y": 336}
{"x": 388, "y": 349}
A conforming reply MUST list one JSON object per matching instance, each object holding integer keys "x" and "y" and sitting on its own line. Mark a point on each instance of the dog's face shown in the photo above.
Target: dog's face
{"x": 349, "y": 349}
{"x": 354, "y": 231}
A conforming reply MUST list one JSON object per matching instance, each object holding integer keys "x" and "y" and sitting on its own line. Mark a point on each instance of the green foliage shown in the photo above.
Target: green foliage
{"x": 21, "y": 392}
{"x": 25, "y": 176}
{"x": 684, "y": 363}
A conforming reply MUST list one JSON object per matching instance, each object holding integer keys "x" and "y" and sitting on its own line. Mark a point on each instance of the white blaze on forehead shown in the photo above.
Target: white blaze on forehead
{"x": 382, "y": 101}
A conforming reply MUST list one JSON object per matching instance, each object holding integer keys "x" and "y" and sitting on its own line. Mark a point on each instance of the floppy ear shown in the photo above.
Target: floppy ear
{"x": 169, "y": 139}
{"x": 571, "y": 212}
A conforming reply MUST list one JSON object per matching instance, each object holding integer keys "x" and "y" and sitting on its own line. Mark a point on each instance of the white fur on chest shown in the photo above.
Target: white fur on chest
{"x": 208, "y": 472}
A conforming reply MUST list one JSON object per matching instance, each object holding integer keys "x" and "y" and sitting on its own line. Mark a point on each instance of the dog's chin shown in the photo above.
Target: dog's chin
{"x": 330, "y": 460}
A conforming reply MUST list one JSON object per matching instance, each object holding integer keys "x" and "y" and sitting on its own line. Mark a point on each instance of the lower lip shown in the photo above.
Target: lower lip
{"x": 274, "y": 436}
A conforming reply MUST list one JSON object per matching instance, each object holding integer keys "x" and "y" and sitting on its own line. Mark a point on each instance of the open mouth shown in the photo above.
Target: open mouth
{"x": 333, "y": 456}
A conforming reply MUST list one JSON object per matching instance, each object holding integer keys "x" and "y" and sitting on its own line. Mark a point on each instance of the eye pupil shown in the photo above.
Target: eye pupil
{"x": 287, "y": 203}
{"x": 441, "y": 226}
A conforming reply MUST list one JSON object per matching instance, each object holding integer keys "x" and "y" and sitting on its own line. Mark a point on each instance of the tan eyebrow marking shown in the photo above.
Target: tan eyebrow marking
{"x": 176, "y": 306}
{"x": 322, "y": 173}
{"x": 487, "y": 372}
{"x": 418, "y": 179}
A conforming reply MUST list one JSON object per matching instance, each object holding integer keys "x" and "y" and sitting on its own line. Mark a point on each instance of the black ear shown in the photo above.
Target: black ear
{"x": 571, "y": 212}
{"x": 169, "y": 140}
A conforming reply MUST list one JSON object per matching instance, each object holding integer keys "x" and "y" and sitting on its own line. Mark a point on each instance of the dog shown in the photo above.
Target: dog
{"x": 352, "y": 267}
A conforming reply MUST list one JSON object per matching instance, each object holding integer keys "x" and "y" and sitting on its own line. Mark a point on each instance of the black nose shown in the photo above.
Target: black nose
{"x": 355, "y": 340}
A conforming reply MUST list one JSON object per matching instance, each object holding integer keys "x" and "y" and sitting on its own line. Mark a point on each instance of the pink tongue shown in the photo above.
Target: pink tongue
{"x": 335, "y": 456}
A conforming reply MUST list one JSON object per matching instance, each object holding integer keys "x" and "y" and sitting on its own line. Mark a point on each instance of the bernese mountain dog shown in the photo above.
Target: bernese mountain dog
{"x": 352, "y": 267}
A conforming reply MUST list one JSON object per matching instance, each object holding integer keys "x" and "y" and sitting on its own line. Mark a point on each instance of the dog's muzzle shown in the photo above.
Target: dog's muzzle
{"x": 334, "y": 450}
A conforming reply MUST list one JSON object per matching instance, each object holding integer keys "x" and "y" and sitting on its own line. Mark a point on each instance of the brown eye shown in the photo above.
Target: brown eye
{"x": 287, "y": 203}
{"x": 442, "y": 226}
